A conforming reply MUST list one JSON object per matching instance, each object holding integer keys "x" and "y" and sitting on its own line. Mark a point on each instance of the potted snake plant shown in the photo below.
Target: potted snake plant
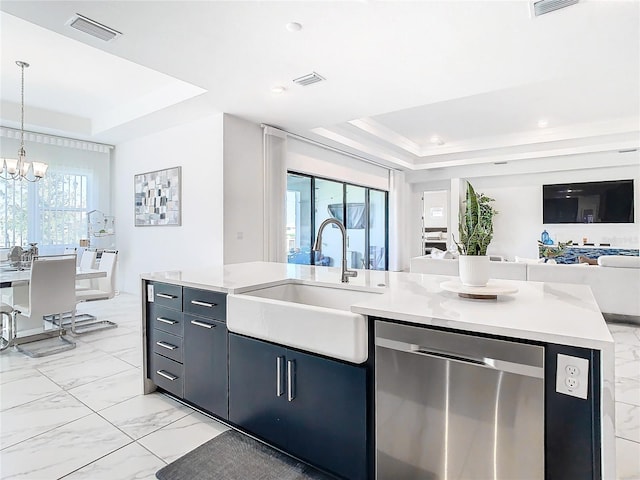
{"x": 475, "y": 225}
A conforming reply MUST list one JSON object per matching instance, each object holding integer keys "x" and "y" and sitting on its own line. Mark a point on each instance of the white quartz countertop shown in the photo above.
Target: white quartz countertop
{"x": 547, "y": 312}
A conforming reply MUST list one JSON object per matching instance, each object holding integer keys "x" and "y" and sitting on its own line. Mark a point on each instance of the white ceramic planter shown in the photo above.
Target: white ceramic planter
{"x": 474, "y": 270}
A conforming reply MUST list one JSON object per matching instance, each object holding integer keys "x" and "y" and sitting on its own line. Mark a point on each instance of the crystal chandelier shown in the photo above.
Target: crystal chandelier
{"x": 18, "y": 169}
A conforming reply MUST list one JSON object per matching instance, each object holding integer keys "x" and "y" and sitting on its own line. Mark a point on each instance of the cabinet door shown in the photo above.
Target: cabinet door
{"x": 205, "y": 364}
{"x": 327, "y": 422}
{"x": 257, "y": 388}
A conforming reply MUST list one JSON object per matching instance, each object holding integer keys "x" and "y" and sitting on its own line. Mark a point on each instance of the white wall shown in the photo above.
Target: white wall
{"x": 243, "y": 191}
{"x": 196, "y": 147}
{"x": 519, "y": 225}
{"x": 518, "y": 196}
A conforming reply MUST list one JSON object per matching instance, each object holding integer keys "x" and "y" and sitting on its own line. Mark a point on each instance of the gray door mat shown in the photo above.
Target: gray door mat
{"x": 234, "y": 456}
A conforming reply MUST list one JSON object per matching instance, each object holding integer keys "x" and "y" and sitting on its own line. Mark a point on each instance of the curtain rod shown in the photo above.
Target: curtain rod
{"x": 327, "y": 147}
{"x": 77, "y": 143}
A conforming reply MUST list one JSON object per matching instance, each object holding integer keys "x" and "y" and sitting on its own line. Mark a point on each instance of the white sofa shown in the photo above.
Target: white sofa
{"x": 615, "y": 281}
{"x": 446, "y": 266}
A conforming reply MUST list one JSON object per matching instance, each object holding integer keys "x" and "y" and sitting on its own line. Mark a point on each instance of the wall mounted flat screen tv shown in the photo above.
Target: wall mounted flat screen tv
{"x": 589, "y": 202}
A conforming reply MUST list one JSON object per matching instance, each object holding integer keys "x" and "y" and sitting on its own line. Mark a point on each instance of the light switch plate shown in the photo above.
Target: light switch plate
{"x": 572, "y": 376}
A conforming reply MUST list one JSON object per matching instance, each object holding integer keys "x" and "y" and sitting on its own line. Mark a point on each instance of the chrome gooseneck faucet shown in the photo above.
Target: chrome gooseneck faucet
{"x": 317, "y": 246}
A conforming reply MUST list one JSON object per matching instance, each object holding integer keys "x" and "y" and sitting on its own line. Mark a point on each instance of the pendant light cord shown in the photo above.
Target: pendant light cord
{"x": 22, "y": 153}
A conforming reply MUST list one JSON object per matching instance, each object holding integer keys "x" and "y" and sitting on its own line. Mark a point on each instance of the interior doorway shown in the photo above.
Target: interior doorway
{"x": 435, "y": 218}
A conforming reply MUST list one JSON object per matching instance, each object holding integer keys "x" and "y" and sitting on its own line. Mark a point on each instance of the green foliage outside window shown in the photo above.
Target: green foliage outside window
{"x": 51, "y": 212}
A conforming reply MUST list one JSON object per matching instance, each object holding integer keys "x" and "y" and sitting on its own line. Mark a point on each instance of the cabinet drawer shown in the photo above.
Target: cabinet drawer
{"x": 167, "y": 345}
{"x": 167, "y": 374}
{"x": 167, "y": 295}
{"x": 166, "y": 319}
{"x": 205, "y": 303}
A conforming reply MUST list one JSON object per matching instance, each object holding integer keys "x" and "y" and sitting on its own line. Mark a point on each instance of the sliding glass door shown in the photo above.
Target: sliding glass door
{"x": 298, "y": 222}
{"x": 378, "y": 234}
{"x": 328, "y": 204}
{"x": 356, "y": 225}
{"x": 362, "y": 210}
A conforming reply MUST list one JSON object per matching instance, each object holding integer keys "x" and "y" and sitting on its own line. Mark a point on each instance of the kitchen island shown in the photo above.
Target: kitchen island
{"x": 563, "y": 319}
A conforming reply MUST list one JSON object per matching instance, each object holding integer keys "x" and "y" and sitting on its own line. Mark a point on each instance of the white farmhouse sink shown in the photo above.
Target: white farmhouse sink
{"x": 309, "y": 317}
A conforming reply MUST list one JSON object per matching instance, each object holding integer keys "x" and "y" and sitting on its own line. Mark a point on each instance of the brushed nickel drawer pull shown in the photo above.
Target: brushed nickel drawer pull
{"x": 167, "y": 375}
{"x": 201, "y": 324}
{"x": 167, "y": 320}
{"x": 204, "y": 304}
{"x": 165, "y": 295}
{"x": 291, "y": 380}
{"x": 279, "y": 386}
{"x": 166, "y": 345}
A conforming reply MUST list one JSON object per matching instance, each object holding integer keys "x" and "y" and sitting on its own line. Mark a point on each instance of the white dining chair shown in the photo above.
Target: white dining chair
{"x": 6, "y": 330}
{"x": 87, "y": 262}
{"x": 51, "y": 292}
{"x": 105, "y": 288}
{"x": 74, "y": 251}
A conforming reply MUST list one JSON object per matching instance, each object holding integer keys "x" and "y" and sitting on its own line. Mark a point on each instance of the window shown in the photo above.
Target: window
{"x": 365, "y": 210}
{"x": 51, "y": 212}
{"x": 13, "y": 203}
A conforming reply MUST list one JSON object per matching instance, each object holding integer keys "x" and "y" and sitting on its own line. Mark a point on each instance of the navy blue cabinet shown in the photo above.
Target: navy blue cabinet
{"x": 257, "y": 388}
{"x": 205, "y": 364}
{"x": 187, "y": 353}
{"x": 313, "y": 407}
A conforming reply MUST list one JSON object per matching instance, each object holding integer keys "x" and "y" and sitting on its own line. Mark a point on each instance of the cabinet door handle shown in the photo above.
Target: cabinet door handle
{"x": 291, "y": 380}
{"x": 202, "y": 324}
{"x": 203, "y": 304}
{"x": 166, "y": 295}
{"x": 167, "y": 320}
{"x": 167, "y": 375}
{"x": 279, "y": 376}
{"x": 166, "y": 345}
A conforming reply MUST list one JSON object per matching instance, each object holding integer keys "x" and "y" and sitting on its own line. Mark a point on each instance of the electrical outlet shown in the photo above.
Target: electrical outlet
{"x": 572, "y": 371}
{"x": 571, "y": 383}
{"x": 572, "y": 376}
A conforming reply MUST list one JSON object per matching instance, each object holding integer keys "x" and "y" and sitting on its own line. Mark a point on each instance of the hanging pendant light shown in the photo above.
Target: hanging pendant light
{"x": 18, "y": 169}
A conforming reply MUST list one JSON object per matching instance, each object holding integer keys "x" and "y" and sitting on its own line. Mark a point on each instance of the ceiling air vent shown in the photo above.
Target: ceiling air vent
{"x": 546, "y": 6}
{"x": 305, "y": 80}
{"x": 93, "y": 28}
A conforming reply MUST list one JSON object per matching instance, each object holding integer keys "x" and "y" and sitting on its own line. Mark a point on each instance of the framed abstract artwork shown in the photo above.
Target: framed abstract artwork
{"x": 157, "y": 197}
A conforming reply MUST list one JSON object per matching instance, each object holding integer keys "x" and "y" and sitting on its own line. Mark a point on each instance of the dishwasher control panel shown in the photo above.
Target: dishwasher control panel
{"x": 572, "y": 376}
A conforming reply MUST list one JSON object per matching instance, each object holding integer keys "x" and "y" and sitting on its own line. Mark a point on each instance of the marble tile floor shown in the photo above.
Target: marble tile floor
{"x": 80, "y": 414}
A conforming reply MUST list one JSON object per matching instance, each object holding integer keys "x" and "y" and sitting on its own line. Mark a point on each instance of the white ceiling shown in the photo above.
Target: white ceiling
{"x": 479, "y": 74}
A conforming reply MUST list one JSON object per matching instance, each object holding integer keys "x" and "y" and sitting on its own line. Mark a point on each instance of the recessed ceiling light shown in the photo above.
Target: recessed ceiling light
{"x": 543, "y": 123}
{"x": 279, "y": 89}
{"x": 294, "y": 26}
{"x": 436, "y": 140}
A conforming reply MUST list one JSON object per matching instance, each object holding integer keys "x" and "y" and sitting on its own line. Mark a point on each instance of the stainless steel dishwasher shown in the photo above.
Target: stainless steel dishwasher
{"x": 453, "y": 406}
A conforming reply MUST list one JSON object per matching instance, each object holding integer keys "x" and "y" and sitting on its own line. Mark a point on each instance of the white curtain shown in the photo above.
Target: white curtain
{"x": 399, "y": 208}
{"x": 275, "y": 190}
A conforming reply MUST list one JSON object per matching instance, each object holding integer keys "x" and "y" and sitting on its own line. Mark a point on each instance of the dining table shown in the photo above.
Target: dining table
{"x": 12, "y": 277}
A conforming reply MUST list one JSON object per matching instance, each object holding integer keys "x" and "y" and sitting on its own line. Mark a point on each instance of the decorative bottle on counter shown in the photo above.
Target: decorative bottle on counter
{"x": 545, "y": 239}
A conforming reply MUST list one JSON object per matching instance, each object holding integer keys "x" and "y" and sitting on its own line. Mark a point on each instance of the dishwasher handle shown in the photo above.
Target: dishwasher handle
{"x": 447, "y": 355}
{"x": 484, "y": 362}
